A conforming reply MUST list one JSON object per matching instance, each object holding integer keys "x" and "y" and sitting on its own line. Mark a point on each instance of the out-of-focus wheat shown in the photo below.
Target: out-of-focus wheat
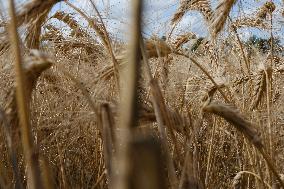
{"x": 184, "y": 38}
{"x": 77, "y": 31}
{"x": 220, "y": 16}
{"x": 200, "y": 5}
{"x": 65, "y": 100}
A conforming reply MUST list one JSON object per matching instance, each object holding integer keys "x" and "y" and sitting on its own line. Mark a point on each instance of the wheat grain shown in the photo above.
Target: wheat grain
{"x": 230, "y": 114}
{"x": 259, "y": 89}
{"x": 182, "y": 39}
{"x": 77, "y": 31}
{"x": 186, "y": 5}
{"x": 219, "y": 16}
{"x": 268, "y": 7}
{"x": 156, "y": 47}
{"x": 250, "y": 22}
{"x": 258, "y": 19}
{"x": 237, "y": 181}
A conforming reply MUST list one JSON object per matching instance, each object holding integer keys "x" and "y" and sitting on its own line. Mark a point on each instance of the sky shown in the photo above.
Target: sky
{"x": 158, "y": 13}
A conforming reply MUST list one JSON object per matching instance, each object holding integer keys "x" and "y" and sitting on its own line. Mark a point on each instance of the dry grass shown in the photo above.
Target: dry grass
{"x": 99, "y": 113}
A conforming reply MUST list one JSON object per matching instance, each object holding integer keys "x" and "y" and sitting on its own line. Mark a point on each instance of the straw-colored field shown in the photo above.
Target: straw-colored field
{"x": 80, "y": 109}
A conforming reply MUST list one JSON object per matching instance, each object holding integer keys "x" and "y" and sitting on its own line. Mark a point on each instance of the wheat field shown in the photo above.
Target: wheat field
{"x": 80, "y": 108}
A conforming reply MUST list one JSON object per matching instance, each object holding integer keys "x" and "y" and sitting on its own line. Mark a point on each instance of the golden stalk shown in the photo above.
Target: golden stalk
{"x": 128, "y": 117}
{"x": 34, "y": 180}
{"x": 161, "y": 116}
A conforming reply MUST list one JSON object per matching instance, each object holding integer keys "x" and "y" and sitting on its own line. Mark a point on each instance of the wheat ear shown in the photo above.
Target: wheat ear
{"x": 220, "y": 16}
{"x": 231, "y": 115}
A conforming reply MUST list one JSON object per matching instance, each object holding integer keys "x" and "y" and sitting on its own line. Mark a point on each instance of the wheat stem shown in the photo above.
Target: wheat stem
{"x": 129, "y": 106}
{"x": 34, "y": 180}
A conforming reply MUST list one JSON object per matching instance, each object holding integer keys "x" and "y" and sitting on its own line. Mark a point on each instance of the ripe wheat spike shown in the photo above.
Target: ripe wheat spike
{"x": 232, "y": 115}
{"x": 186, "y": 5}
{"x": 220, "y": 16}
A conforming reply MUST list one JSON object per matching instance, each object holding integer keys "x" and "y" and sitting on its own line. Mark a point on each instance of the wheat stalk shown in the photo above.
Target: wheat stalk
{"x": 146, "y": 114}
{"x": 129, "y": 103}
{"x": 23, "y": 90}
{"x": 34, "y": 180}
{"x": 33, "y": 67}
{"x": 11, "y": 147}
{"x": 161, "y": 115}
{"x": 107, "y": 123}
{"x": 246, "y": 60}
